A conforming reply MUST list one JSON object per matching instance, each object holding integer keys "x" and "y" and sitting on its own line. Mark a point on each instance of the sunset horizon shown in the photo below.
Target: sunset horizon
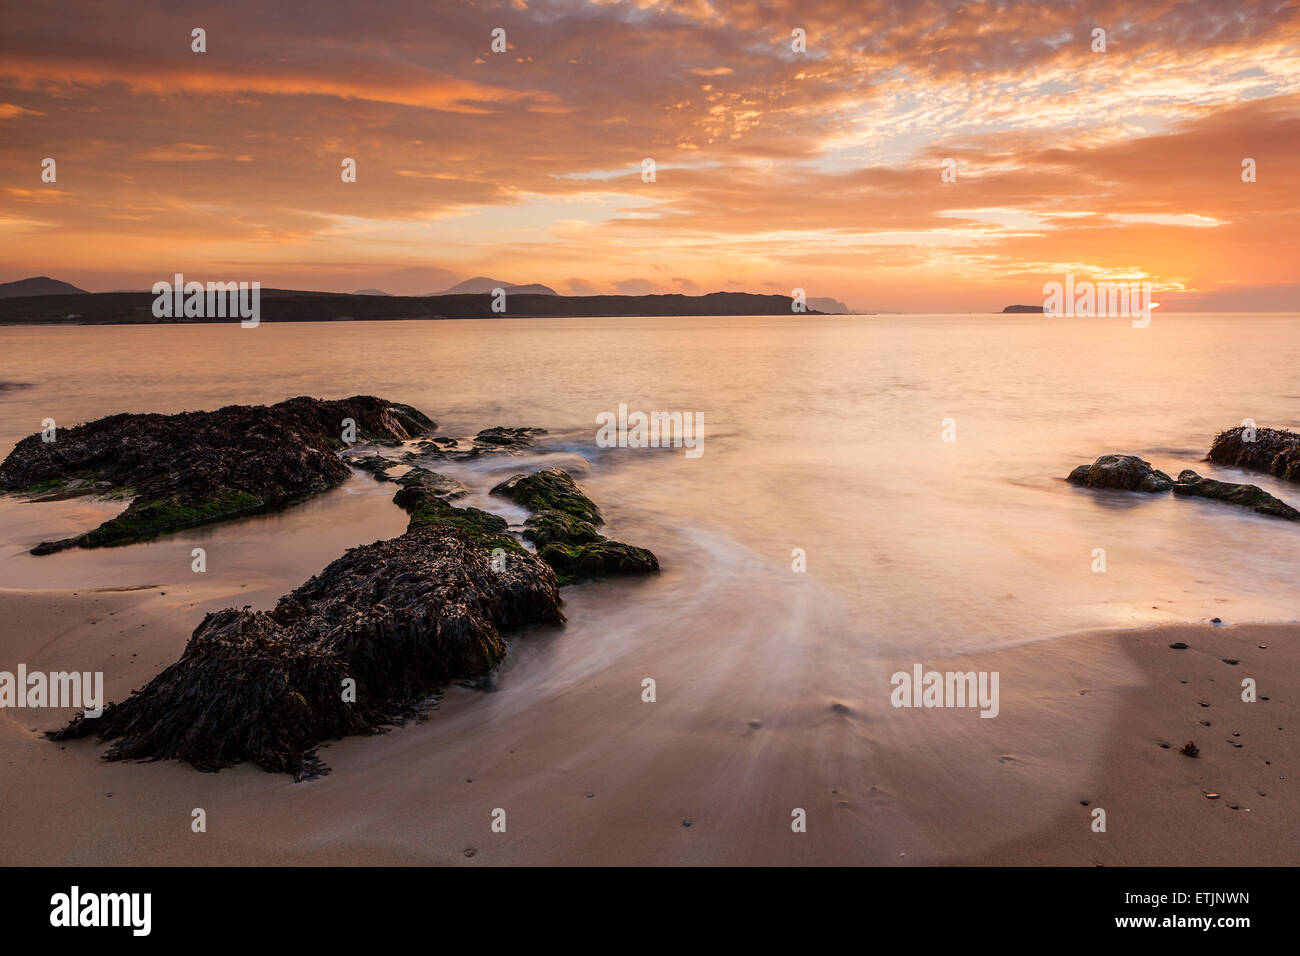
{"x": 1116, "y": 157}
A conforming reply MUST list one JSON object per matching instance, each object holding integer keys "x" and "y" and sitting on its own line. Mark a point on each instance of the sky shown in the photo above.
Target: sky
{"x": 775, "y": 168}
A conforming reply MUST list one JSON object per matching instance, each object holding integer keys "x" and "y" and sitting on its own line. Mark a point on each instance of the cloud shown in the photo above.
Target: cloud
{"x": 818, "y": 170}
{"x": 580, "y": 287}
{"x": 636, "y": 287}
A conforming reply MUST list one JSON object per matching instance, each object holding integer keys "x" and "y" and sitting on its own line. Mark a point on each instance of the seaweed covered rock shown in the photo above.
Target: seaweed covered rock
{"x": 195, "y": 468}
{"x": 1274, "y": 451}
{"x": 426, "y": 496}
{"x": 419, "y": 484}
{"x": 500, "y": 436}
{"x": 1123, "y": 472}
{"x": 563, "y": 527}
{"x": 1247, "y": 496}
{"x": 401, "y": 618}
{"x": 377, "y": 466}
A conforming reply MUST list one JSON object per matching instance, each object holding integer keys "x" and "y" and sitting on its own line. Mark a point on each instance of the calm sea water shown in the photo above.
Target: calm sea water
{"x": 821, "y": 433}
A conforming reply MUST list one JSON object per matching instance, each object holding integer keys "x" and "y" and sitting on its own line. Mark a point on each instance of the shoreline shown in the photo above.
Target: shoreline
{"x": 1080, "y": 718}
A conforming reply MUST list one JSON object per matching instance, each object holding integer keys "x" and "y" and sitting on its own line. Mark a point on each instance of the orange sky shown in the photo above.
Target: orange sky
{"x": 775, "y": 169}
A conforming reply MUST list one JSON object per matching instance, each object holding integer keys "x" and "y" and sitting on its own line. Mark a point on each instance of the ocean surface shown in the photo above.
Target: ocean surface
{"x": 823, "y": 436}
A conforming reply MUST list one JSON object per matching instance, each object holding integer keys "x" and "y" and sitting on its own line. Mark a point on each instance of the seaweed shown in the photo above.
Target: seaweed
{"x": 563, "y": 528}
{"x": 400, "y": 618}
{"x": 196, "y": 468}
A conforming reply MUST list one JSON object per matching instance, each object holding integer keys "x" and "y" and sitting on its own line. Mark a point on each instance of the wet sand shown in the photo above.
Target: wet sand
{"x": 588, "y": 773}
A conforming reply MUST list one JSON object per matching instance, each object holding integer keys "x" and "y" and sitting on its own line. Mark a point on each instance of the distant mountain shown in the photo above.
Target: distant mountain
{"x": 1024, "y": 308}
{"x": 38, "y": 285}
{"x": 532, "y": 288}
{"x": 829, "y": 306}
{"x": 481, "y": 284}
{"x": 290, "y": 305}
{"x": 371, "y": 292}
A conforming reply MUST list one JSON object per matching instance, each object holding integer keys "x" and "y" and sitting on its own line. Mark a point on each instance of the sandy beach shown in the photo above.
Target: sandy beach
{"x": 592, "y": 775}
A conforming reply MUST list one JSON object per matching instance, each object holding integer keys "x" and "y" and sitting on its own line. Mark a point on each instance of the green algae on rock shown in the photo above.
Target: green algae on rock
{"x": 426, "y": 496}
{"x": 196, "y": 468}
{"x": 563, "y": 528}
{"x": 1247, "y": 496}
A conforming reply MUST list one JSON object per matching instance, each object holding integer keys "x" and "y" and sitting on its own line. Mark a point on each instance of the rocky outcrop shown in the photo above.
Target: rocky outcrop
{"x": 1247, "y": 496}
{"x": 1273, "y": 451}
{"x": 563, "y": 527}
{"x": 400, "y": 618}
{"x": 419, "y": 485}
{"x": 369, "y": 641}
{"x": 502, "y": 437}
{"x": 1130, "y": 473}
{"x": 376, "y": 466}
{"x": 1124, "y": 472}
{"x": 196, "y": 468}
{"x": 426, "y": 496}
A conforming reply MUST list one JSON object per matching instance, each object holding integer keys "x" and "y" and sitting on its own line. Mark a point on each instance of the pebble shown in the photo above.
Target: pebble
{"x": 1178, "y": 646}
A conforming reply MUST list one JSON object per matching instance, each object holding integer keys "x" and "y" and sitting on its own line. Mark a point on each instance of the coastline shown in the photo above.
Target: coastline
{"x": 1082, "y": 718}
{"x": 289, "y": 305}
